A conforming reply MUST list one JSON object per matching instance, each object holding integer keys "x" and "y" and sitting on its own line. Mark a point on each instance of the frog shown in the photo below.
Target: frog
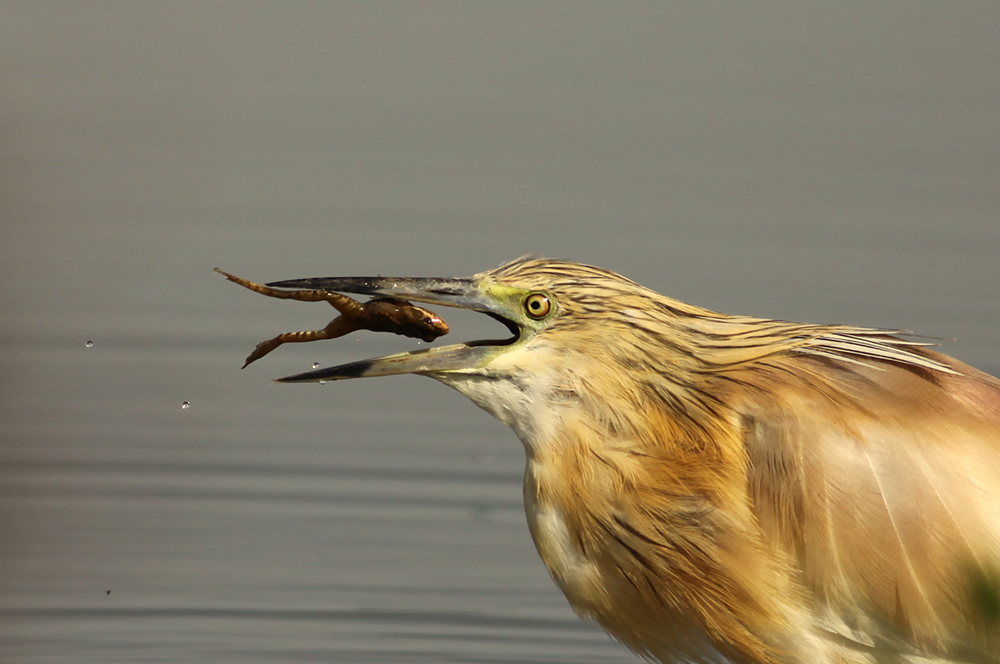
{"x": 381, "y": 314}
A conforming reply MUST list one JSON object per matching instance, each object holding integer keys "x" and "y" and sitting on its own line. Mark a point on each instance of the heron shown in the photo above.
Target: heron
{"x": 712, "y": 488}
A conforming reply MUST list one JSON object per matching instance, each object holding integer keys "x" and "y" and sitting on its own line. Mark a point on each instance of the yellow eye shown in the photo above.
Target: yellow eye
{"x": 537, "y": 305}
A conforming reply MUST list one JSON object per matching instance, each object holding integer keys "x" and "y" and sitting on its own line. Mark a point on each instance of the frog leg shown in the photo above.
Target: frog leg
{"x": 338, "y": 327}
{"x": 342, "y": 303}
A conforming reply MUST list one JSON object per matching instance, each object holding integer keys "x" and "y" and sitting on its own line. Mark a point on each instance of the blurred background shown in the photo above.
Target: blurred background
{"x": 824, "y": 162}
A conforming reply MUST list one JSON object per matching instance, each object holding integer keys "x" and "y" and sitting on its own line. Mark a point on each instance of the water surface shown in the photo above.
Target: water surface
{"x": 800, "y": 163}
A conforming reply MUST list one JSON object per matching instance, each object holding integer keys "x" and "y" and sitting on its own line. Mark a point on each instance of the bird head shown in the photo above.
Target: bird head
{"x": 589, "y": 351}
{"x": 578, "y": 333}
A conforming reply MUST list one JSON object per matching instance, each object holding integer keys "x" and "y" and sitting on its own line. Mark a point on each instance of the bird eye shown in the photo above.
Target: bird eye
{"x": 537, "y": 305}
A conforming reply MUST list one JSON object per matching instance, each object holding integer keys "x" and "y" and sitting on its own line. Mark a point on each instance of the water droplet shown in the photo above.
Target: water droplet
{"x": 89, "y": 344}
{"x": 322, "y": 382}
{"x": 185, "y": 405}
{"x": 315, "y": 365}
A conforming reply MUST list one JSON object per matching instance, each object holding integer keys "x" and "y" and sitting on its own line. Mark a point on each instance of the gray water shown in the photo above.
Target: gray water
{"x": 826, "y": 162}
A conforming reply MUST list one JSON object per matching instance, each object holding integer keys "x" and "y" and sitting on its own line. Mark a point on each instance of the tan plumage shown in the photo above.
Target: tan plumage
{"x": 714, "y": 488}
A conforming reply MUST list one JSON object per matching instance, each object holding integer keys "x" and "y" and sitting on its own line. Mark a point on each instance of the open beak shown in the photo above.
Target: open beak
{"x": 463, "y": 293}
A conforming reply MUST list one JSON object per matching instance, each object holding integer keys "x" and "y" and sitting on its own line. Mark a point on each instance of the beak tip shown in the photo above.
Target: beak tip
{"x": 290, "y": 379}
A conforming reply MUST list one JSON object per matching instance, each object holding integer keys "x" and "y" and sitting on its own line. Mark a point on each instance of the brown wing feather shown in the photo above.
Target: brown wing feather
{"x": 882, "y": 480}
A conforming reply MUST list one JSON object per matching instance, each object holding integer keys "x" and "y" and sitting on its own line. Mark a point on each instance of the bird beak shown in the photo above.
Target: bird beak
{"x": 463, "y": 293}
